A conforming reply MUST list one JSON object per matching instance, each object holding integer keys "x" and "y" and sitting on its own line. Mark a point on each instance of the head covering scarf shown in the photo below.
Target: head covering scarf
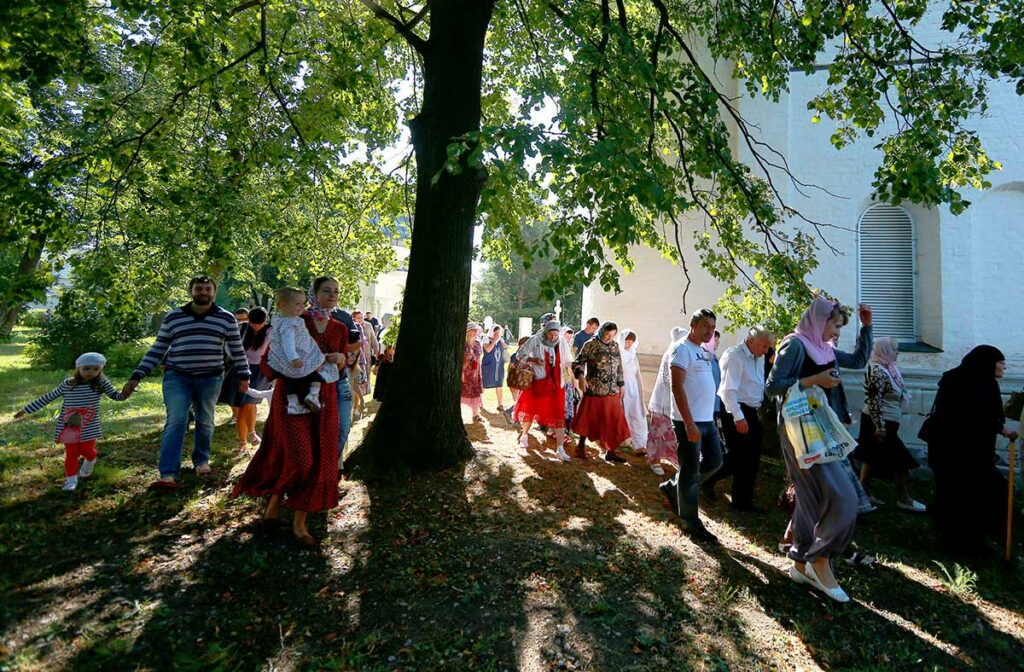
{"x": 601, "y": 332}
{"x": 627, "y": 354}
{"x": 551, "y": 325}
{"x": 883, "y": 353}
{"x": 314, "y": 309}
{"x": 811, "y": 328}
{"x": 539, "y": 346}
{"x": 662, "y": 401}
{"x": 979, "y": 364}
{"x": 975, "y": 377}
{"x": 491, "y": 337}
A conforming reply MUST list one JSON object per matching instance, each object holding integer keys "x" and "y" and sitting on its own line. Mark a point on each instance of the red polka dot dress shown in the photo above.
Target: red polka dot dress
{"x": 298, "y": 457}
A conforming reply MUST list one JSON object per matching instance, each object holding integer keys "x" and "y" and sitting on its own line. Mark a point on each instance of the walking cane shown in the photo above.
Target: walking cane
{"x": 1010, "y": 497}
{"x": 1012, "y": 473}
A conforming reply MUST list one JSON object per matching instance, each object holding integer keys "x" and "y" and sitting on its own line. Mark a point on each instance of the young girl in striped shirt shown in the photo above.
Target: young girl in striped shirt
{"x": 78, "y": 426}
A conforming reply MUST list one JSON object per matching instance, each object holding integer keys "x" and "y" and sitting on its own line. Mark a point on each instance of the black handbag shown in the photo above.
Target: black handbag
{"x": 929, "y": 428}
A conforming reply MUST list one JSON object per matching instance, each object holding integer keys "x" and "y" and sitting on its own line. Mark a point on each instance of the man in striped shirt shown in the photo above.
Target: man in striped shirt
{"x": 192, "y": 339}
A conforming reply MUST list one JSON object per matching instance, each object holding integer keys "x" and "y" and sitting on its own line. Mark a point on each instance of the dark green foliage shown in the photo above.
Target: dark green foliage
{"x": 79, "y": 325}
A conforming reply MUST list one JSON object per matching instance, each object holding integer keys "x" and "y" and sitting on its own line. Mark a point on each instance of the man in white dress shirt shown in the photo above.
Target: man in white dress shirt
{"x": 741, "y": 392}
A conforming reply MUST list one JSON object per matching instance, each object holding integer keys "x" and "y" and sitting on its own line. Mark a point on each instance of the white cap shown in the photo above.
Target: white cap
{"x": 91, "y": 359}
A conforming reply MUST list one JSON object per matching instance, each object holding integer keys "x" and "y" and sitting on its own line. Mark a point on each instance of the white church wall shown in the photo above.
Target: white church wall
{"x": 997, "y": 227}
{"x": 968, "y": 266}
{"x": 960, "y": 266}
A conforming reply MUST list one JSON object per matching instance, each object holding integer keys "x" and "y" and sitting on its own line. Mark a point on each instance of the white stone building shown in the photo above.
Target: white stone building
{"x": 384, "y": 294}
{"x": 940, "y": 283}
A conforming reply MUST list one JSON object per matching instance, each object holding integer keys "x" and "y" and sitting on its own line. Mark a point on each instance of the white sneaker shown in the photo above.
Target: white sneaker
{"x": 85, "y": 471}
{"x": 524, "y": 440}
{"x": 297, "y": 410}
{"x": 657, "y": 469}
{"x": 312, "y": 402}
{"x": 70, "y": 483}
{"x": 562, "y": 455}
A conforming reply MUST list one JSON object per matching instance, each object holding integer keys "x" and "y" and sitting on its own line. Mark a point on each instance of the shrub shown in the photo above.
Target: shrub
{"x": 122, "y": 358}
{"x": 76, "y": 325}
{"x": 34, "y": 318}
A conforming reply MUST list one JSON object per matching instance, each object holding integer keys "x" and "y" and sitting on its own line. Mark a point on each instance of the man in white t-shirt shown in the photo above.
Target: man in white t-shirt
{"x": 693, "y": 414}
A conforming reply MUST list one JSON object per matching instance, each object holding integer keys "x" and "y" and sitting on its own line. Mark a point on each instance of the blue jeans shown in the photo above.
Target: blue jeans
{"x": 180, "y": 394}
{"x": 344, "y": 413}
{"x": 697, "y": 462}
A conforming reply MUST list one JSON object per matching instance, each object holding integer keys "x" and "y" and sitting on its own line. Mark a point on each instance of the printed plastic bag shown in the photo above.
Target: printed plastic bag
{"x": 813, "y": 428}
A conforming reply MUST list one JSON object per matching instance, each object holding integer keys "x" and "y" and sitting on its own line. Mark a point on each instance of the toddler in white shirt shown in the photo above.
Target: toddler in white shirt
{"x": 295, "y": 355}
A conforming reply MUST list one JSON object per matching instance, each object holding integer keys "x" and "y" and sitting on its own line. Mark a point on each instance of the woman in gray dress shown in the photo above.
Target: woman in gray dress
{"x": 826, "y": 498}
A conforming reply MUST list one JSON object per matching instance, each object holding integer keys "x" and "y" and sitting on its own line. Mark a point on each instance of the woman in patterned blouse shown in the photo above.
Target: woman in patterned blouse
{"x": 600, "y": 416}
{"x": 879, "y": 447}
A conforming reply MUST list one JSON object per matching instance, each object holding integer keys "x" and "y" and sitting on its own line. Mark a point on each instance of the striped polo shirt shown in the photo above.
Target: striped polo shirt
{"x": 80, "y": 396}
{"x": 193, "y": 344}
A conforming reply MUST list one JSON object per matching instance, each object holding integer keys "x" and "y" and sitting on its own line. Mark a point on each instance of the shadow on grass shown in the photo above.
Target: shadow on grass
{"x": 895, "y": 618}
{"x": 512, "y": 563}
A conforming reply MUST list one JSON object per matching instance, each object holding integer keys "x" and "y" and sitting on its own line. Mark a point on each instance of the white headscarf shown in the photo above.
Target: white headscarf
{"x": 538, "y": 346}
{"x": 662, "y": 400}
{"x": 628, "y": 354}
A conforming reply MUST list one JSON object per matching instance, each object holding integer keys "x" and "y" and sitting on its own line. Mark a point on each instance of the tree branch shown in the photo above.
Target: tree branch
{"x": 244, "y": 6}
{"x": 270, "y": 77}
{"x": 403, "y": 29}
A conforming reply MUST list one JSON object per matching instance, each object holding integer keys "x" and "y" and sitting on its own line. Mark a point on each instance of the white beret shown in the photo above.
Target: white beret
{"x": 91, "y": 359}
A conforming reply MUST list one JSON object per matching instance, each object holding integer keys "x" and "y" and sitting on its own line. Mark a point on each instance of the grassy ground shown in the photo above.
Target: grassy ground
{"x": 516, "y": 561}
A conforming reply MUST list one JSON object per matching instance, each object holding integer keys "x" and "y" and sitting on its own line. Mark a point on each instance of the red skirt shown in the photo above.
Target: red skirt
{"x": 602, "y": 419}
{"x": 543, "y": 402}
{"x": 298, "y": 457}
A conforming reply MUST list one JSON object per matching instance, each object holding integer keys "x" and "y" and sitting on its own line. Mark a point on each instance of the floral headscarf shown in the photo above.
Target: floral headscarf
{"x": 314, "y": 309}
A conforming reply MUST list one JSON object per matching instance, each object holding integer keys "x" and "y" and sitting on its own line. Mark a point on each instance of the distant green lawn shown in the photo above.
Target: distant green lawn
{"x": 34, "y": 461}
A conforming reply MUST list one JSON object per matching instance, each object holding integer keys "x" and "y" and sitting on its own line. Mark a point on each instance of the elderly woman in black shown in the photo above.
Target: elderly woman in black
{"x": 961, "y": 435}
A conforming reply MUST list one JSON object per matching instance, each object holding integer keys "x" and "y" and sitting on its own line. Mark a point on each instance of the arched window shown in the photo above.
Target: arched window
{"x": 888, "y": 271}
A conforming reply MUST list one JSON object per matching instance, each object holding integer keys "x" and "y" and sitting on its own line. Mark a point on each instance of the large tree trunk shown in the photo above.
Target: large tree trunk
{"x": 419, "y": 424}
{"x": 11, "y": 306}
